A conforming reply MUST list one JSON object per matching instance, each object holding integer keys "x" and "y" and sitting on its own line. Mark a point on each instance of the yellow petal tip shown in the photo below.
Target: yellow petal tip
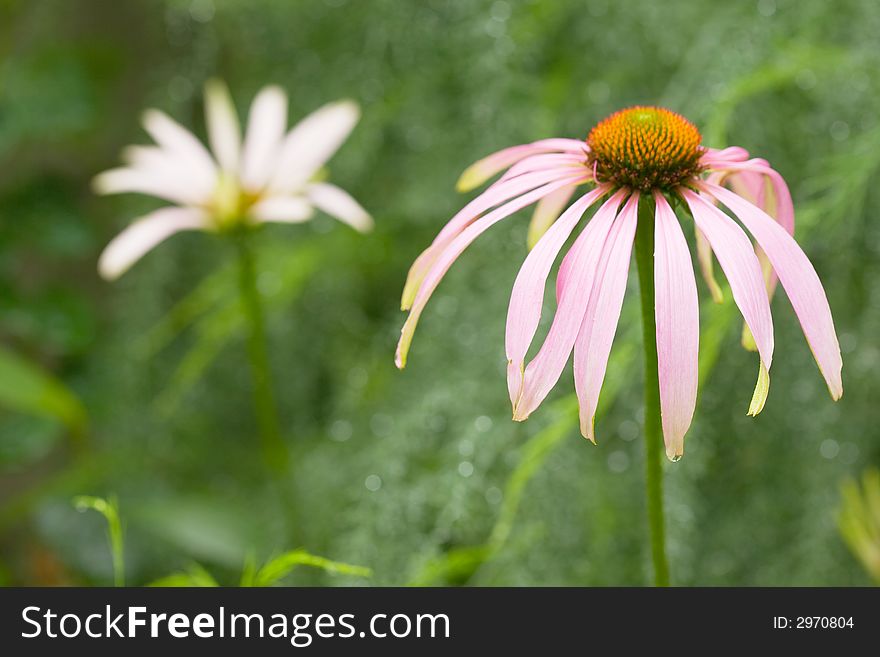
{"x": 762, "y": 389}
{"x": 747, "y": 340}
{"x": 468, "y": 180}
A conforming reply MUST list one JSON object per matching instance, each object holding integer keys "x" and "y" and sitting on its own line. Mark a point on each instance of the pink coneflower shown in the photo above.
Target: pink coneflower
{"x": 653, "y": 157}
{"x": 270, "y": 176}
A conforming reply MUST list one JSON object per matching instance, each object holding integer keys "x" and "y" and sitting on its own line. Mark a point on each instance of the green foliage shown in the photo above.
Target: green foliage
{"x": 420, "y": 474}
{"x": 273, "y": 572}
{"x": 26, "y": 388}
{"x": 859, "y": 520}
{"x": 195, "y": 575}
{"x": 278, "y": 568}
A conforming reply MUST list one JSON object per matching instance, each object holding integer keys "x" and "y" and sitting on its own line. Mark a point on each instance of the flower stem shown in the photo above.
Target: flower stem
{"x": 644, "y": 246}
{"x": 274, "y": 450}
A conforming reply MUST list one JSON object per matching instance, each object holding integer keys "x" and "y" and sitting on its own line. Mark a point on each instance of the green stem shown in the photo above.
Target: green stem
{"x": 644, "y": 246}
{"x": 274, "y": 449}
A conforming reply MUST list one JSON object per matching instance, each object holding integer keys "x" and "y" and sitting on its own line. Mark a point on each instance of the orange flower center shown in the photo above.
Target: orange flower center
{"x": 645, "y": 148}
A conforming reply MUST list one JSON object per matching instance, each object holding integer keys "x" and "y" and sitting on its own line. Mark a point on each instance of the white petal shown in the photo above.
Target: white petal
{"x": 338, "y": 203}
{"x": 311, "y": 143}
{"x": 145, "y": 233}
{"x": 265, "y": 130}
{"x": 179, "y": 142}
{"x": 224, "y": 133}
{"x": 159, "y": 163}
{"x": 152, "y": 183}
{"x": 281, "y": 209}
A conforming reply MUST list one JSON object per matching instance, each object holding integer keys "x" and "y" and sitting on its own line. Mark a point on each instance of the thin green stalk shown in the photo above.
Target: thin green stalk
{"x": 644, "y": 247}
{"x": 274, "y": 449}
{"x": 108, "y": 508}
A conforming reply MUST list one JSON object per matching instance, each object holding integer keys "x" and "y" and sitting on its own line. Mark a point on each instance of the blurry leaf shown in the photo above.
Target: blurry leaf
{"x": 195, "y": 575}
{"x": 215, "y": 316}
{"x": 202, "y": 529}
{"x": 859, "y": 520}
{"x": 281, "y": 566}
{"x": 26, "y": 388}
{"x": 454, "y": 567}
{"x": 271, "y": 573}
{"x": 109, "y": 508}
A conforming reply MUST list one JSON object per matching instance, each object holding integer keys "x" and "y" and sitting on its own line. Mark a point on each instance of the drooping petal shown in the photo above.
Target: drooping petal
{"x": 546, "y": 212}
{"x": 783, "y": 210}
{"x": 740, "y": 264}
{"x": 281, "y": 209}
{"x": 714, "y": 156}
{"x": 144, "y": 234}
{"x": 221, "y": 119}
{"x": 677, "y": 314}
{"x": 495, "y": 195}
{"x": 339, "y": 204}
{"x": 153, "y": 183}
{"x": 542, "y": 162}
{"x": 527, "y": 297}
{"x": 265, "y": 130}
{"x": 311, "y": 143}
{"x": 593, "y": 344}
{"x": 747, "y": 184}
{"x": 180, "y": 142}
{"x": 800, "y": 281}
{"x": 749, "y": 179}
{"x": 778, "y": 204}
{"x": 704, "y": 254}
{"x": 581, "y": 262}
{"x": 453, "y": 250}
{"x": 480, "y": 171}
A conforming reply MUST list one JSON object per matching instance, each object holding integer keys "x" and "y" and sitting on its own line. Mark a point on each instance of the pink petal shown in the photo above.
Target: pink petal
{"x": 479, "y": 172}
{"x": 338, "y": 203}
{"x": 454, "y": 249}
{"x": 784, "y": 209}
{"x": 311, "y": 143}
{"x": 541, "y": 163}
{"x": 740, "y": 264}
{"x": 800, "y": 281}
{"x": 221, "y": 119}
{"x": 714, "y": 156}
{"x": 493, "y": 196}
{"x": 265, "y": 131}
{"x": 542, "y": 373}
{"x": 779, "y": 205}
{"x": 596, "y": 334}
{"x": 144, "y": 234}
{"x": 546, "y": 212}
{"x": 527, "y": 297}
{"x": 677, "y": 313}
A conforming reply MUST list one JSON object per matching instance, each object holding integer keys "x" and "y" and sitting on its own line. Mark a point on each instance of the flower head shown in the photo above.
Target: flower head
{"x": 269, "y": 176}
{"x": 652, "y": 156}
{"x": 645, "y": 148}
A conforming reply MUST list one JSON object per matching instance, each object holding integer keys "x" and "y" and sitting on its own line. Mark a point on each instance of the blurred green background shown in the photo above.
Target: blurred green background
{"x": 143, "y": 389}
